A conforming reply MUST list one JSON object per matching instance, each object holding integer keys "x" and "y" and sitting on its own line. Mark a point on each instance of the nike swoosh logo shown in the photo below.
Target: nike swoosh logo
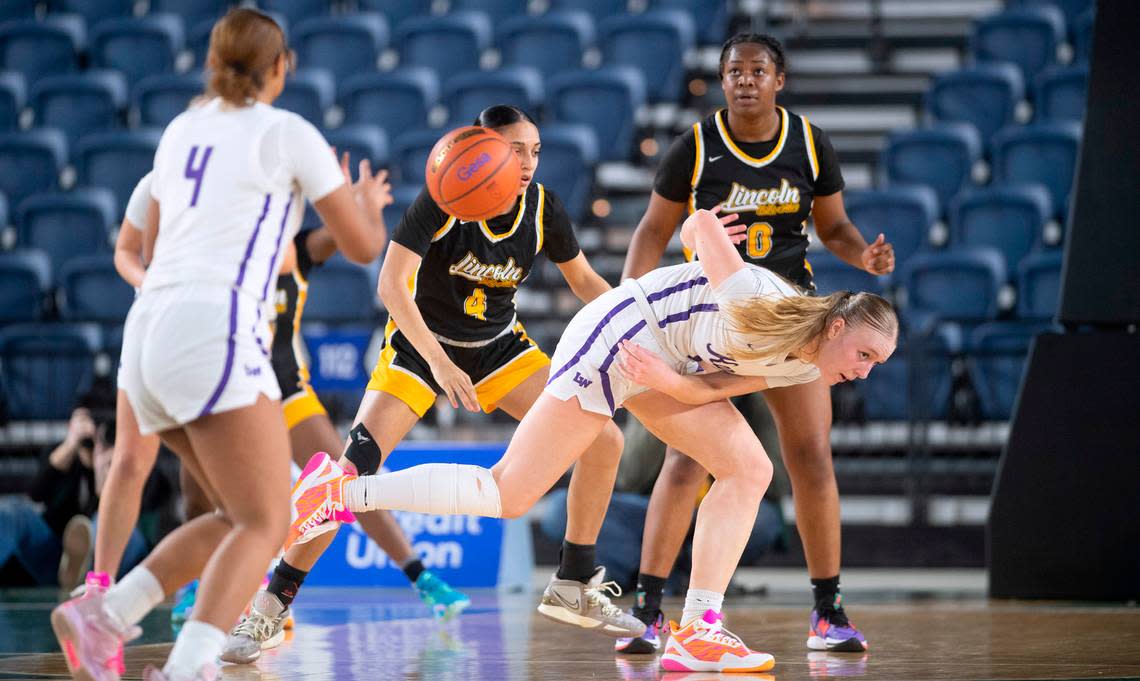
{"x": 572, "y": 605}
{"x": 714, "y": 159}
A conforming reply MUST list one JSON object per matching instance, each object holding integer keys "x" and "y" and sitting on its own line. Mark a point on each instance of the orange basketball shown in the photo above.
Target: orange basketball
{"x": 473, "y": 174}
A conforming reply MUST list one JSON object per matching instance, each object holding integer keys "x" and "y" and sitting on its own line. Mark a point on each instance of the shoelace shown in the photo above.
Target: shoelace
{"x": 835, "y": 616}
{"x": 597, "y": 595}
{"x": 258, "y": 626}
{"x": 718, "y": 634}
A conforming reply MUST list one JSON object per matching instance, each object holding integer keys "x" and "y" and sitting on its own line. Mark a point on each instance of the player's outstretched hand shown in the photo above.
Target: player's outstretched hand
{"x": 879, "y": 257}
{"x": 645, "y": 367}
{"x": 456, "y": 385}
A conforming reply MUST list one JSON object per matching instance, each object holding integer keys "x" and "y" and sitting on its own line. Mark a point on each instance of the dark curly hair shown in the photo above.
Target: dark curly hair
{"x": 775, "y": 49}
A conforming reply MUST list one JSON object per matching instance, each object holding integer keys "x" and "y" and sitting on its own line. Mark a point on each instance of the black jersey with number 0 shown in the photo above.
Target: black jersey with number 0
{"x": 770, "y": 184}
{"x": 465, "y": 287}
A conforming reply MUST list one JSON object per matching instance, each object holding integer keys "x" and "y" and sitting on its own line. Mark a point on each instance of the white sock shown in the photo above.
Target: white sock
{"x": 697, "y": 602}
{"x": 198, "y": 645}
{"x": 132, "y": 598}
{"x": 440, "y": 488}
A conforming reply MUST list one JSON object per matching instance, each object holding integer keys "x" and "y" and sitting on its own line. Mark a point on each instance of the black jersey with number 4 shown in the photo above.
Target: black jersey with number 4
{"x": 770, "y": 184}
{"x": 465, "y": 286}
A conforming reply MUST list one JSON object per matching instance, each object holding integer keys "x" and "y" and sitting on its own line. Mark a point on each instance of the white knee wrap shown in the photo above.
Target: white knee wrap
{"x": 438, "y": 488}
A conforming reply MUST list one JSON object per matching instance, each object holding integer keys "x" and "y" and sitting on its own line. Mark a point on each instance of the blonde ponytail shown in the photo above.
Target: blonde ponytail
{"x": 778, "y": 327}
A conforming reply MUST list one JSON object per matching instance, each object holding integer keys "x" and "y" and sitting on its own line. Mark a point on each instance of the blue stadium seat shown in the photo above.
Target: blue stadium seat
{"x": 37, "y": 48}
{"x": 361, "y": 141}
{"x": 1083, "y": 35}
{"x": 93, "y": 291}
{"x": 116, "y": 160}
{"x": 890, "y": 394}
{"x": 960, "y": 285}
{"x": 1010, "y": 218}
{"x": 193, "y": 12}
{"x": 655, "y": 44}
{"x": 396, "y": 10}
{"x": 80, "y": 103}
{"x": 985, "y": 95}
{"x": 18, "y": 9}
{"x": 1045, "y": 153}
{"x": 941, "y": 157}
{"x": 446, "y": 44}
{"x": 46, "y": 366}
{"x": 402, "y": 197}
{"x": 158, "y": 99}
{"x": 496, "y": 10}
{"x": 342, "y": 45}
{"x": 606, "y": 100}
{"x": 551, "y": 42}
{"x": 297, "y": 10}
{"x": 997, "y": 352}
{"x": 13, "y": 95}
{"x": 569, "y": 153}
{"x": 340, "y": 293}
{"x": 1039, "y": 285}
{"x": 113, "y": 342}
{"x": 1026, "y": 36}
{"x": 138, "y": 47}
{"x": 902, "y": 213}
{"x": 25, "y": 277}
{"x": 67, "y": 225}
{"x": 1060, "y": 93}
{"x": 94, "y": 11}
{"x": 832, "y": 274}
{"x": 396, "y": 101}
{"x": 469, "y": 92}
{"x": 3, "y": 211}
{"x": 410, "y": 153}
{"x": 308, "y": 93}
{"x": 1071, "y": 9}
{"x": 710, "y": 17}
{"x": 597, "y": 9}
{"x": 31, "y": 162}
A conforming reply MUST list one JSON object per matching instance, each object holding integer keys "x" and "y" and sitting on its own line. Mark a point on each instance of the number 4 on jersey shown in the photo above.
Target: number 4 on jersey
{"x": 476, "y": 304}
{"x": 196, "y": 172}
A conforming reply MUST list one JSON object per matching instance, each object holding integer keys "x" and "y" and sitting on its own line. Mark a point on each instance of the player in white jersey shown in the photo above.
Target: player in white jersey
{"x": 723, "y": 328}
{"x": 230, "y": 178}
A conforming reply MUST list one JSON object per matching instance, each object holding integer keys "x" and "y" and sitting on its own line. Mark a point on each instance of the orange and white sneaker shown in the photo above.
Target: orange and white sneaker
{"x": 706, "y": 646}
{"x": 318, "y": 500}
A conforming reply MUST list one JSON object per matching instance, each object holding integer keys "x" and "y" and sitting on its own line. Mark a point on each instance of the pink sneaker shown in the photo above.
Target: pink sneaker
{"x": 318, "y": 499}
{"x": 91, "y": 642}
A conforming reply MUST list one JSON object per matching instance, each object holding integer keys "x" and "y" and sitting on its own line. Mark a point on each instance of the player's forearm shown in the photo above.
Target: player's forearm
{"x": 130, "y": 267}
{"x": 645, "y": 250}
{"x": 702, "y": 389}
{"x": 845, "y": 241}
{"x": 399, "y": 303}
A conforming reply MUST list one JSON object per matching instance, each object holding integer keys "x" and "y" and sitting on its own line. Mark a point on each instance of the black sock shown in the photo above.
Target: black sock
{"x": 285, "y": 582}
{"x": 576, "y": 561}
{"x": 413, "y": 569}
{"x": 647, "y": 603}
{"x": 826, "y": 593}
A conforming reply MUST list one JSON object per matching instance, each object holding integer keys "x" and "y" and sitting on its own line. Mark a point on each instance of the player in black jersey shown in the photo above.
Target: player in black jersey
{"x": 775, "y": 169}
{"x": 449, "y": 287}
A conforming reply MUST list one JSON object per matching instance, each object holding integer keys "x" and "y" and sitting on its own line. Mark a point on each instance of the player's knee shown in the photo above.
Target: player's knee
{"x": 515, "y": 507}
{"x": 809, "y": 460}
{"x": 132, "y": 463}
{"x": 362, "y": 451}
{"x": 609, "y": 443}
{"x": 682, "y": 471}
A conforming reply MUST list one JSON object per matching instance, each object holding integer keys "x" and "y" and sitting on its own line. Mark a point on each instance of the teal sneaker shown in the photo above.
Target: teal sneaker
{"x": 183, "y": 606}
{"x": 444, "y": 601}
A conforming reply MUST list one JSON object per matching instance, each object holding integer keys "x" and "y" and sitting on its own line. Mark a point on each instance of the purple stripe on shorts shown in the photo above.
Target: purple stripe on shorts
{"x": 593, "y": 337}
{"x": 276, "y": 250}
{"x": 676, "y": 288}
{"x": 604, "y": 369}
{"x": 234, "y": 313}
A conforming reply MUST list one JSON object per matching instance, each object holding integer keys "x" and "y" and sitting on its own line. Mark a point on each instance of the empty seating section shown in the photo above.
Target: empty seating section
{"x": 341, "y": 45}
{"x": 655, "y": 44}
{"x": 25, "y": 277}
{"x": 959, "y": 285}
{"x": 904, "y": 214}
{"x": 1060, "y": 93}
{"x": 92, "y": 291}
{"x": 605, "y": 100}
{"x": 94, "y": 11}
{"x": 569, "y": 153}
{"x": 65, "y": 226}
{"x": 45, "y": 367}
{"x": 138, "y": 47}
{"x": 997, "y": 353}
{"x": 985, "y": 96}
{"x": 1039, "y": 285}
{"x": 466, "y": 94}
{"x": 397, "y": 101}
{"x": 445, "y": 44}
{"x": 158, "y": 99}
{"x": 38, "y": 48}
{"x": 1045, "y": 153}
{"x": 1009, "y": 218}
{"x": 309, "y": 93}
{"x": 13, "y": 94}
{"x": 1027, "y": 36}
{"x": 116, "y": 161}
{"x": 550, "y": 42}
{"x": 30, "y": 162}
{"x": 832, "y": 274}
{"x": 942, "y": 157}
{"x": 79, "y": 104}
{"x": 361, "y": 142}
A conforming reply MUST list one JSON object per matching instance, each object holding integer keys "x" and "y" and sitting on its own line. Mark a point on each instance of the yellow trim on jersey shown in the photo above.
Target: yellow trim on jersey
{"x": 539, "y": 227}
{"x": 698, "y": 166}
{"x": 500, "y": 382}
{"x": 495, "y": 238}
{"x": 397, "y": 381}
{"x": 809, "y": 140}
{"x": 298, "y": 341}
{"x": 301, "y": 406}
{"x": 807, "y": 266}
{"x": 442, "y": 231}
{"x": 739, "y": 153}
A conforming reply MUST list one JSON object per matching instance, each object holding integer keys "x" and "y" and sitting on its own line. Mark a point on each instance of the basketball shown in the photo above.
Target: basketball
{"x": 473, "y": 174}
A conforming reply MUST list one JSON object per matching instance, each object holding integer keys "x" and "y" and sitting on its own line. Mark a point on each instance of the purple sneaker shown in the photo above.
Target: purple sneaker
{"x": 91, "y": 642}
{"x": 831, "y": 630}
{"x": 646, "y": 644}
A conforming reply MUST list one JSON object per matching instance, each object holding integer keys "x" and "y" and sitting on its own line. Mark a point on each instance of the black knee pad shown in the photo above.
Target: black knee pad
{"x": 363, "y": 451}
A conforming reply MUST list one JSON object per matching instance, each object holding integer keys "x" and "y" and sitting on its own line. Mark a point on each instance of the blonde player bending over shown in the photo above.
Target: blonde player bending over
{"x": 724, "y": 328}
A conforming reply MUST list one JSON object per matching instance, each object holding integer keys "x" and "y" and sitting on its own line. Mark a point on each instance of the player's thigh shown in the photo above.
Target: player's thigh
{"x": 134, "y": 452}
{"x": 735, "y": 449}
{"x": 520, "y": 399}
{"x": 179, "y": 443}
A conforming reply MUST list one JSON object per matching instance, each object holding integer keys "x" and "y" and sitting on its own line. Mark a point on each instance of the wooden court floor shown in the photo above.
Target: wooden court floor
{"x": 373, "y": 634}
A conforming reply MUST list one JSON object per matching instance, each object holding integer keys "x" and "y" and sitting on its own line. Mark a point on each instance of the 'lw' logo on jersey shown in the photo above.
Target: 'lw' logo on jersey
{"x": 582, "y": 380}
{"x": 773, "y": 201}
{"x": 470, "y": 267}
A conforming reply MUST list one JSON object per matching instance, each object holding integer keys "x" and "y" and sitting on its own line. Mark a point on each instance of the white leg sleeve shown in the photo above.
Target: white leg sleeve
{"x": 439, "y": 488}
